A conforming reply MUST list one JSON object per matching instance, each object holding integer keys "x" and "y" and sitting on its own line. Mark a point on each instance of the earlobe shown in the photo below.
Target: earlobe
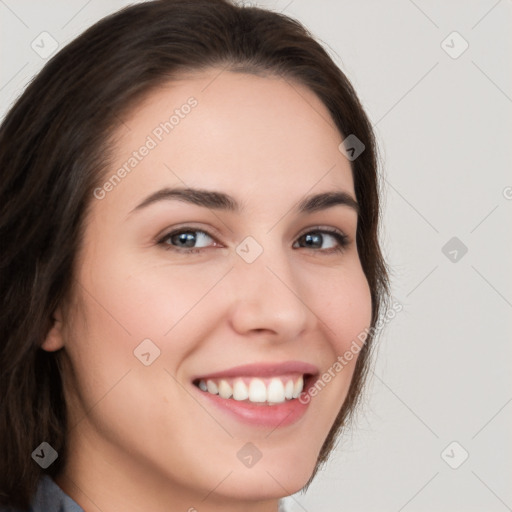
{"x": 54, "y": 339}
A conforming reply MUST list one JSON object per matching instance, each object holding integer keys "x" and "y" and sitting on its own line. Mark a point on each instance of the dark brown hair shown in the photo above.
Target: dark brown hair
{"x": 55, "y": 148}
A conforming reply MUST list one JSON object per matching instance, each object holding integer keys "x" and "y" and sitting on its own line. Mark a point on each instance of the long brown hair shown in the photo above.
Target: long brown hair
{"x": 55, "y": 148}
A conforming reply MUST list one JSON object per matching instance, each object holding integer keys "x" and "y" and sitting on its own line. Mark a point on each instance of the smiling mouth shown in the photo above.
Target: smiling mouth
{"x": 257, "y": 390}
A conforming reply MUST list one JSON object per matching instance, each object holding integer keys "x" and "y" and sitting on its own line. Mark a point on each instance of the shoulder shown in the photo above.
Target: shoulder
{"x": 49, "y": 497}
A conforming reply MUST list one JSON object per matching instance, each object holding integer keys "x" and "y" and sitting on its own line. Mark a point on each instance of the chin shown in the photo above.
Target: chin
{"x": 275, "y": 475}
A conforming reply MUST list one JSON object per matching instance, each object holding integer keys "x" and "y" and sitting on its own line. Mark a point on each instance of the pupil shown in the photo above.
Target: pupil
{"x": 312, "y": 239}
{"x": 187, "y": 239}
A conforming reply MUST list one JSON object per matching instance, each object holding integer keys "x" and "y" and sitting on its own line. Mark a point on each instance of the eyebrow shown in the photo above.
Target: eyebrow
{"x": 221, "y": 201}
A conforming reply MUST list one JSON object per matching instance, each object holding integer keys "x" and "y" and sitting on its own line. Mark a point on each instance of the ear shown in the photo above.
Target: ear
{"x": 54, "y": 339}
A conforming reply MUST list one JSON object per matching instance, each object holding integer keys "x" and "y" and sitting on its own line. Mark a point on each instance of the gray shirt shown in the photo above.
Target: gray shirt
{"x": 49, "y": 497}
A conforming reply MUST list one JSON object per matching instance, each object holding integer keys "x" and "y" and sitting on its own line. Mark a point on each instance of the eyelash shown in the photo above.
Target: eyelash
{"x": 342, "y": 239}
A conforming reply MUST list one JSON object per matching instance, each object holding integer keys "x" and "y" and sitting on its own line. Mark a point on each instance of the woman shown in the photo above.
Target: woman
{"x": 191, "y": 270}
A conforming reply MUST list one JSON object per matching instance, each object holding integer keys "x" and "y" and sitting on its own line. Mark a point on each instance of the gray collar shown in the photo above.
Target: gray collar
{"x": 50, "y": 497}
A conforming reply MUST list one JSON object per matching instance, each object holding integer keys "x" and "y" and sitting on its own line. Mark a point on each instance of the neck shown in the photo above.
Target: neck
{"x": 93, "y": 483}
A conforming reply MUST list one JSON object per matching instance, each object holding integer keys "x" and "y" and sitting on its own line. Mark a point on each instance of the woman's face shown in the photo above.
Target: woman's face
{"x": 178, "y": 291}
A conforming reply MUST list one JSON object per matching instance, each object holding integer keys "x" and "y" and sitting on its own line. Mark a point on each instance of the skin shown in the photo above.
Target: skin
{"x": 137, "y": 439}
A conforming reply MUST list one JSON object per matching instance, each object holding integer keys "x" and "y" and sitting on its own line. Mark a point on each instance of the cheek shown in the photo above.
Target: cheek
{"x": 148, "y": 297}
{"x": 122, "y": 305}
{"x": 164, "y": 300}
{"x": 345, "y": 309}
{"x": 344, "y": 312}
{"x": 127, "y": 303}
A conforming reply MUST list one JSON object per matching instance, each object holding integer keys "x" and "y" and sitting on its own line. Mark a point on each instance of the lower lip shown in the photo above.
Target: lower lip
{"x": 277, "y": 415}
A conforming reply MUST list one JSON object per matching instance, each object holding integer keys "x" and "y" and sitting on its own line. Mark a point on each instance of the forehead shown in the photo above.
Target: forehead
{"x": 249, "y": 135}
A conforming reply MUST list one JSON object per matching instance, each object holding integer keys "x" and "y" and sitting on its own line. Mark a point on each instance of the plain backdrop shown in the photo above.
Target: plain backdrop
{"x": 435, "y": 79}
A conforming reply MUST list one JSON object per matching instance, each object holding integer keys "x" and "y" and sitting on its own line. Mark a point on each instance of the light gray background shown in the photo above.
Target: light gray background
{"x": 444, "y": 127}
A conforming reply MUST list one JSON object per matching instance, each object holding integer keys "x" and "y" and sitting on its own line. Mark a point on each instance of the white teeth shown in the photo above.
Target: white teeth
{"x": 212, "y": 387}
{"x": 275, "y": 392}
{"x": 288, "y": 390}
{"x": 240, "y": 391}
{"x": 297, "y": 387}
{"x": 225, "y": 390}
{"x": 257, "y": 391}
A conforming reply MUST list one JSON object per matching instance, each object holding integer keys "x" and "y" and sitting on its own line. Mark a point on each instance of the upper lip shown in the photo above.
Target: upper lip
{"x": 262, "y": 370}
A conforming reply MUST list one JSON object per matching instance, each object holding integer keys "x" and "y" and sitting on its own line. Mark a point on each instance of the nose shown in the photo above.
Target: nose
{"x": 268, "y": 298}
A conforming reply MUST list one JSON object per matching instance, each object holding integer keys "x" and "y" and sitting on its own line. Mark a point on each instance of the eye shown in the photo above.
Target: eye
{"x": 186, "y": 240}
{"x": 336, "y": 240}
{"x": 192, "y": 240}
